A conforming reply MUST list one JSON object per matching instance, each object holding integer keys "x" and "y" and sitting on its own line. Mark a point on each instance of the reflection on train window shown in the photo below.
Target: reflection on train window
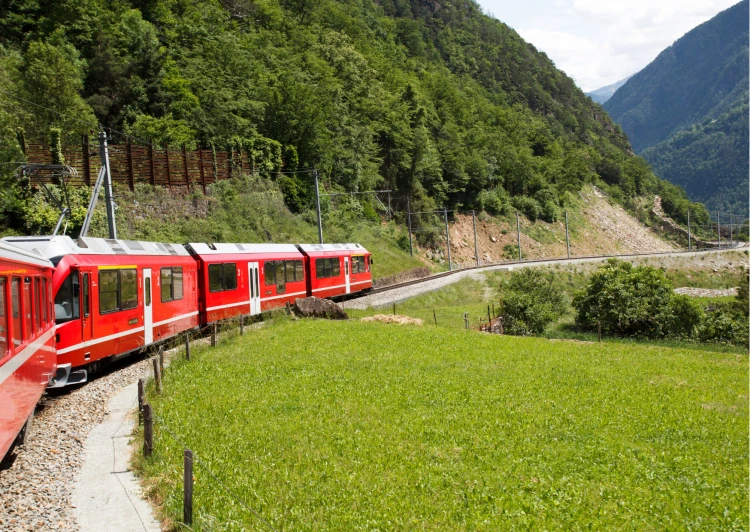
{"x": 118, "y": 290}
{"x": 3, "y": 322}
{"x": 28, "y": 288}
{"x": 222, "y": 276}
{"x": 171, "y": 284}
{"x": 280, "y": 272}
{"x": 66, "y": 300}
{"x": 37, "y": 301}
{"x": 15, "y": 297}
{"x": 358, "y": 264}
{"x": 330, "y": 267}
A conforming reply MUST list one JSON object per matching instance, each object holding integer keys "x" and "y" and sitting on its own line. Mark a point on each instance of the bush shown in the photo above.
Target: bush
{"x": 528, "y": 206}
{"x": 634, "y": 301}
{"x": 530, "y": 302}
{"x": 494, "y": 201}
{"x": 722, "y": 326}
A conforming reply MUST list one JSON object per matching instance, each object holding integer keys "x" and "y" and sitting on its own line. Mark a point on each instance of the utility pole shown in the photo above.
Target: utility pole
{"x": 476, "y": 248}
{"x": 104, "y": 154}
{"x": 718, "y": 228}
{"x": 317, "y": 207}
{"x": 408, "y": 225}
{"x": 690, "y": 245}
{"x": 567, "y": 237}
{"x": 447, "y": 237}
{"x": 731, "y": 231}
{"x": 518, "y": 234}
{"x": 389, "y": 207}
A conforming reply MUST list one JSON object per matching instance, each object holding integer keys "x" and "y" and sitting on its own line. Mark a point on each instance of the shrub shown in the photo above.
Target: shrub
{"x": 494, "y": 201}
{"x": 634, "y": 301}
{"x": 531, "y": 301}
{"x": 722, "y": 326}
{"x": 528, "y": 206}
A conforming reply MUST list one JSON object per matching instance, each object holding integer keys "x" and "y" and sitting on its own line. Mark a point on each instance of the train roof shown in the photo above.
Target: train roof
{"x": 201, "y": 248}
{"x": 54, "y": 247}
{"x": 11, "y": 252}
{"x": 312, "y": 248}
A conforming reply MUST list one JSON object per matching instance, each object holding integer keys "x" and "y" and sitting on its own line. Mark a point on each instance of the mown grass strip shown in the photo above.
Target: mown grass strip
{"x": 351, "y": 426}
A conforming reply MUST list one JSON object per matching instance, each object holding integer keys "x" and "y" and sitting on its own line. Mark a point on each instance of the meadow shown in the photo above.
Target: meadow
{"x": 323, "y": 425}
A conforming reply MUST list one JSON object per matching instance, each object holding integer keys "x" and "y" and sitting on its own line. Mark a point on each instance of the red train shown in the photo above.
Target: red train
{"x": 114, "y": 297}
{"x": 27, "y": 339}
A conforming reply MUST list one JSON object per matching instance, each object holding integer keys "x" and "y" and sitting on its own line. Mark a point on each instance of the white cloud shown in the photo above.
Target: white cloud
{"x": 598, "y": 42}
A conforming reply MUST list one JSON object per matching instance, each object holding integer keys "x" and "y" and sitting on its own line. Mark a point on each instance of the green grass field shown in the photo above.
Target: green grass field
{"x": 363, "y": 426}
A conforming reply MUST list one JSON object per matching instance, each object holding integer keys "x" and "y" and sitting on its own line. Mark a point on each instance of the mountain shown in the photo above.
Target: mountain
{"x": 431, "y": 99}
{"x": 687, "y": 111}
{"x": 605, "y": 93}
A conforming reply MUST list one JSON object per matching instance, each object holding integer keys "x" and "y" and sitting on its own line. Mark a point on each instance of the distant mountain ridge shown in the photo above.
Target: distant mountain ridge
{"x": 603, "y": 94}
{"x": 686, "y": 113}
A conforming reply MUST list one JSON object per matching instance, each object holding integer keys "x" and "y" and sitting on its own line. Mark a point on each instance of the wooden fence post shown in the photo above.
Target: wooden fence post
{"x": 466, "y": 320}
{"x": 86, "y": 161}
{"x": 148, "y": 430}
{"x": 187, "y": 345}
{"x": 394, "y": 309}
{"x": 141, "y": 400}
{"x": 187, "y": 489}
{"x": 203, "y": 172}
{"x": 242, "y": 324}
{"x": 434, "y": 316}
{"x": 161, "y": 359}
{"x": 185, "y": 165}
{"x": 129, "y": 153}
{"x": 599, "y": 330}
{"x": 213, "y": 334}
{"x": 169, "y": 175}
{"x": 151, "y": 172}
{"x": 157, "y": 375}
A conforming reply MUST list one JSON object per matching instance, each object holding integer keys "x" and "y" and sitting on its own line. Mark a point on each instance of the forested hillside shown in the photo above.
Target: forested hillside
{"x": 687, "y": 111}
{"x": 431, "y": 99}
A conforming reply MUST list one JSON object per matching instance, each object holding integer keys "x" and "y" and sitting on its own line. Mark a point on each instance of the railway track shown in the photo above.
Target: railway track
{"x": 512, "y": 264}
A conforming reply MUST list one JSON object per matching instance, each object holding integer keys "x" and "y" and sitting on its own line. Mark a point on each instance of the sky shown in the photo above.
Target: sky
{"x": 600, "y": 42}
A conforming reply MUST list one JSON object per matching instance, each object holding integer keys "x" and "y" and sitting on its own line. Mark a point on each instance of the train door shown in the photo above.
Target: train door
{"x": 253, "y": 276}
{"x": 148, "y": 317}
{"x": 87, "y": 322}
{"x": 346, "y": 274}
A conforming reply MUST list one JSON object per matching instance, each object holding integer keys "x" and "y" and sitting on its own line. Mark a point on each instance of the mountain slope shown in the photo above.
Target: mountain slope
{"x": 431, "y": 99}
{"x": 603, "y": 94}
{"x": 686, "y": 113}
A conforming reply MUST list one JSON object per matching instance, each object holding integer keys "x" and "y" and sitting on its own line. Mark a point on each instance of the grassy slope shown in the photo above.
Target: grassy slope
{"x": 346, "y": 426}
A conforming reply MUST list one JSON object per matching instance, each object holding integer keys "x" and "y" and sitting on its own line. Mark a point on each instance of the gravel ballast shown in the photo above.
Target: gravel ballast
{"x": 36, "y": 489}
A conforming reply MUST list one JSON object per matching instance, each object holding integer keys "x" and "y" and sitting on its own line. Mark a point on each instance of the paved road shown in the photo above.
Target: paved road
{"x": 396, "y": 295}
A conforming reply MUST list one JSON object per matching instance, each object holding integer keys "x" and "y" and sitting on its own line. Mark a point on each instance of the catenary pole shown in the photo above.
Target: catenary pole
{"x": 518, "y": 234}
{"x": 718, "y": 228}
{"x": 447, "y": 237}
{"x": 317, "y": 208}
{"x": 476, "y": 248}
{"x": 567, "y": 237}
{"x": 690, "y": 244}
{"x": 104, "y": 154}
{"x": 408, "y": 225}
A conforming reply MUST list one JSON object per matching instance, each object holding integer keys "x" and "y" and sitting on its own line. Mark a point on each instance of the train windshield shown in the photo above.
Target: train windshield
{"x": 67, "y": 304}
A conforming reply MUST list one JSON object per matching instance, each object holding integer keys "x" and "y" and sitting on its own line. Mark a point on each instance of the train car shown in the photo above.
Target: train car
{"x": 336, "y": 270}
{"x": 27, "y": 339}
{"x": 240, "y": 279}
{"x": 114, "y": 297}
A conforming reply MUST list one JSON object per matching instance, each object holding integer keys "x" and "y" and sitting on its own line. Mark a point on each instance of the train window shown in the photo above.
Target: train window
{"x": 222, "y": 276}
{"x": 289, "y": 268}
{"x": 3, "y": 322}
{"x": 269, "y": 272}
{"x": 230, "y": 276}
{"x": 171, "y": 284}
{"x": 336, "y": 270}
{"x": 27, "y": 307}
{"x": 128, "y": 289}
{"x": 15, "y": 296}
{"x": 280, "y": 277}
{"x": 109, "y": 293}
{"x": 330, "y": 267}
{"x": 118, "y": 290}
{"x": 320, "y": 268}
{"x": 299, "y": 271}
{"x": 66, "y": 299}
{"x": 358, "y": 264}
{"x": 86, "y": 295}
{"x": 43, "y": 301}
{"x": 214, "y": 278}
{"x": 37, "y": 303}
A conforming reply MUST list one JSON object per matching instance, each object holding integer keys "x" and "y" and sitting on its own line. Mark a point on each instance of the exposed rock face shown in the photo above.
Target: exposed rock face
{"x": 314, "y": 307}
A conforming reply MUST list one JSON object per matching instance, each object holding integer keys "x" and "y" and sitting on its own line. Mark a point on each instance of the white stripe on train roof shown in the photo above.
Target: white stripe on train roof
{"x": 332, "y": 247}
{"x": 57, "y": 246}
{"x": 201, "y": 248}
{"x": 10, "y": 367}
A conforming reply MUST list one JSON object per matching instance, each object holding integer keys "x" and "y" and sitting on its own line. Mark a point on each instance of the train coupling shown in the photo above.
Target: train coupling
{"x": 64, "y": 377}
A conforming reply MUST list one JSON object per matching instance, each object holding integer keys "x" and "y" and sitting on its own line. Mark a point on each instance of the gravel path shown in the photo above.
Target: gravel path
{"x": 706, "y": 292}
{"x": 396, "y": 295}
{"x": 36, "y": 483}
